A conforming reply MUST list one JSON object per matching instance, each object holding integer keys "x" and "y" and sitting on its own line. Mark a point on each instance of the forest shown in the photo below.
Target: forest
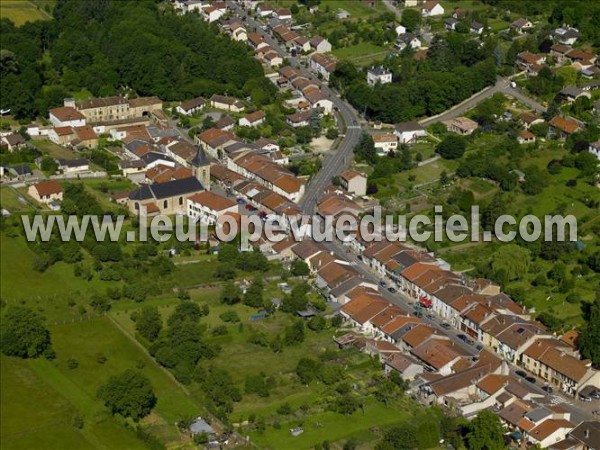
{"x": 455, "y": 68}
{"x": 118, "y": 47}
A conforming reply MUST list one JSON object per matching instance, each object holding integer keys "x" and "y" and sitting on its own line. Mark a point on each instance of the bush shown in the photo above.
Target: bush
{"x": 451, "y": 147}
{"x": 230, "y": 317}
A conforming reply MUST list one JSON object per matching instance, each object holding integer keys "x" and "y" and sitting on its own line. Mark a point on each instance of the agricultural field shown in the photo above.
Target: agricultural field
{"x": 21, "y": 11}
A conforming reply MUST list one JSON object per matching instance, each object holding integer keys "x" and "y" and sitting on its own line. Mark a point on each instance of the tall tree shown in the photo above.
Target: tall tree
{"x": 23, "y": 333}
{"x": 589, "y": 342}
{"x": 485, "y": 432}
{"x": 129, "y": 394}
{"x": 149, "y": 323}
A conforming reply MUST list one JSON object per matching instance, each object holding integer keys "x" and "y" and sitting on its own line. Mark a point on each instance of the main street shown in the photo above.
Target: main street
{"x": 347, "y": 118}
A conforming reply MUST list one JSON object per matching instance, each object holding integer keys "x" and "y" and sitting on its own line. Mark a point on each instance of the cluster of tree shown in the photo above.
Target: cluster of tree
{"x": 184, "y": 343}
{"x": 230, "y": 259}
{"x": 129, "y": 394}
{"x": 485, "y": 432}
{"x": 24, "y": 334}
{"x": 219, "y": 388}
{"x": 91, "y": 46}
{"x": 310, "y": 369}
{"x": 455, "y": 68}
{"x": 260, "y": 384}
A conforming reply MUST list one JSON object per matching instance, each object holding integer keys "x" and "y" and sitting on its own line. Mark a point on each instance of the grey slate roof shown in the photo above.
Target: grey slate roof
{"x": 169, "y": 189}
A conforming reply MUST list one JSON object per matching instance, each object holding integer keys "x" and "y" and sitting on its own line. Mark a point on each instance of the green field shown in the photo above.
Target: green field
{"x": 40, "y": 398}
{"x": 21, "y": 11}
{"x": 361, "y": 54}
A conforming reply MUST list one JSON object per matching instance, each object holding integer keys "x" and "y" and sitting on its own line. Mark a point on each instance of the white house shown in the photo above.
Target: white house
{"x": 264, "y": 10}
{"x": 400, "y": 30}
{"x": 191, "y": 106}
{"x": 317, "y": 99}
{"x": 407, "y": 39}
{"x": 477, "y": 28}
{"x": 253, "y": 119}
{"x": 324, "y": 65}
{"x": 46, "y": 191}
{"x": 206, "y": 207}
{"x": 73, "y": 165}
{"x": 521, "y": 25}
{"x": 432, "y": 8}
{"x": 450, "y": 24}
{"x": 354, "y": 182}
{"x": 211, "y": 14}
{"x": 284, "y": 14}
{"x": 66, "y": 116}
{"x": 320, "y": 44}
{"x": 385, "y": 143}
{"x": 379, "y": 75}
{"x": 566, "y": 35}
{"x": 409, "y": 132}
{"x": 227, "y": 103}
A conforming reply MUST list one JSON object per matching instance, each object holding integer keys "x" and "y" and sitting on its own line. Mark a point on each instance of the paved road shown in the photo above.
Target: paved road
{"x": 347, "y": 117}
{"x": 501, "y": 86}
{"x": 389, "y": 4}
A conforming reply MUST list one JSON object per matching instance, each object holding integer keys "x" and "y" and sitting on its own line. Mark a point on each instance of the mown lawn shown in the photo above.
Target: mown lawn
{"x": 361, "y": 54}
{"x": 21, "y": 11}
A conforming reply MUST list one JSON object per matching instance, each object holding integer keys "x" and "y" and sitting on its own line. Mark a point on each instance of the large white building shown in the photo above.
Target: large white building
{"x": 378, "y": 75}
{"x": 206, "y": 207}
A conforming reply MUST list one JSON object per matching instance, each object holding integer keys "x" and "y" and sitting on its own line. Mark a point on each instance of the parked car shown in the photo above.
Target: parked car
{"x": 479, "y": 347}
{"x": 430, "y": 316}
{"x": 547, "y": 389}
{"x": 521, "y": 373}
{"x": 382, "y": 283}
{"x": 392, "y": 290}
{"x": 531, "y": 380}
{"x": 462, "y": 337}
{"x": 446, "y": 326}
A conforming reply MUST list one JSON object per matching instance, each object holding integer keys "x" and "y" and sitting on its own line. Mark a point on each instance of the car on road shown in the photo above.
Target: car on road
{"x": 241, "y": 201}
{"x": 465, "y": 339}
{"x": 391, "y": 290}
{"x": 530, "y": 379}
{"x": 446, "y": 326}
{"x": 521, "y": 373}
{"x": 382, "y": 283}
{"x": 547, "y": 389}
{"x": 250, "y": 208}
